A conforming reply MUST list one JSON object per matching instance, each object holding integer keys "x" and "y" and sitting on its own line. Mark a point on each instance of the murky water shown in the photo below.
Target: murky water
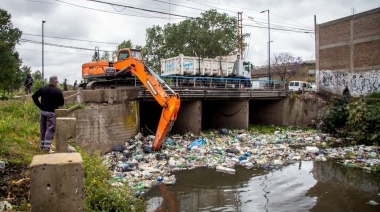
{"x": 302, "y": 186}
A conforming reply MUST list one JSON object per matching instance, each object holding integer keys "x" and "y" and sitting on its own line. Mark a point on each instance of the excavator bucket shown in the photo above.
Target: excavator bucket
{"x": 168, "y": 116}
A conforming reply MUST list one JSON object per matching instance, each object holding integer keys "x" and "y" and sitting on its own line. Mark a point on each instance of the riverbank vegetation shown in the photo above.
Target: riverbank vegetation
{"x": 356, "y": 119}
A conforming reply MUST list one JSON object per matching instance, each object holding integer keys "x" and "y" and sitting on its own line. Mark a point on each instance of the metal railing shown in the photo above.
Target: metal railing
{"x": 226, "y": 83}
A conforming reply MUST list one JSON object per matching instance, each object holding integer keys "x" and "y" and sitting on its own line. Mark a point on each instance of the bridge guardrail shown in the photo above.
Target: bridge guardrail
{"x": 229, "y": 83}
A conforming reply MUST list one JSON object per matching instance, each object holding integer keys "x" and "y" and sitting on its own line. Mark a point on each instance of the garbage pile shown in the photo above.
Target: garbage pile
{"x": 135, "y": 163}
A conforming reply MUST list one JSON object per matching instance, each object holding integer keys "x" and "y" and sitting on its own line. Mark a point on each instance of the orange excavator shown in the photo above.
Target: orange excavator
{"x": 130, "y": 62}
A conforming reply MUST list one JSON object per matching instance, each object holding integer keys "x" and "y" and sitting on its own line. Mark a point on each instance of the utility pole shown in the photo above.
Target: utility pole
{"x": 268, "y": 42}
{"x": 240, "y": 35}
{"x": 43, "y": 76}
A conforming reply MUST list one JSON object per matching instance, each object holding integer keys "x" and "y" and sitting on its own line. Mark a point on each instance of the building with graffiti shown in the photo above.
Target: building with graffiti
{"x": 348, "y": 53}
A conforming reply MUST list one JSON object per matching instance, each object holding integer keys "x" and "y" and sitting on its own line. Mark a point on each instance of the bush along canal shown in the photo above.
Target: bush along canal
{"x": 246, "y": 170}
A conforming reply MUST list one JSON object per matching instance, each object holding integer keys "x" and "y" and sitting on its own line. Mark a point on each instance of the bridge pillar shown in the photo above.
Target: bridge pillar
{"x": 189, "y": 118}
{"x": 225, "y": 114}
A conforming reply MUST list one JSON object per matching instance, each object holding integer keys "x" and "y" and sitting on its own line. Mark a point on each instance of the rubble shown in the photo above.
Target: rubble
{"x": 134, "y": 162}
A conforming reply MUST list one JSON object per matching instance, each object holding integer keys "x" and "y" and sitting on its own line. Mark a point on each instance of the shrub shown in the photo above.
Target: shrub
{"x": 363, "y": 122}
{"x": 100, "y": 193}
{"x": 360, "y": 121}
{"x": 334, "y": 116}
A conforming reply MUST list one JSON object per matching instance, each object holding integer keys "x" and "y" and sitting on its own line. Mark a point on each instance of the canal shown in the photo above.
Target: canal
{"x": 300, "y": 186}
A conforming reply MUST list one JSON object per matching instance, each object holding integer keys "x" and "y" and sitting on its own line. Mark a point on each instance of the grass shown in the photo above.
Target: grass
{"x": 100, "y": 194}
{"x": 269, "y": 129}
{"x": 19, "y": 131}
{"x": 19, "y": 138}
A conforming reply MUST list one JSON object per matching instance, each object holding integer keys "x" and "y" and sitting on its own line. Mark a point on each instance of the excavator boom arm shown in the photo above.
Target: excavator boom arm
{"x": 170, "y": 104}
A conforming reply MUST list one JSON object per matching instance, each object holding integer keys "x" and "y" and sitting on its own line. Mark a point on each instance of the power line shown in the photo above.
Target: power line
{"x": 59, "y": 45}
{"x": 71, "y": 39}
{"x": 118, "y": 12}
{"x": 33, "y": 50}
{"x": 179, "y": 5}
{"x": 136, "y": 8}
{"x": 291, "y": 29}
{"x": 280, "y": 29}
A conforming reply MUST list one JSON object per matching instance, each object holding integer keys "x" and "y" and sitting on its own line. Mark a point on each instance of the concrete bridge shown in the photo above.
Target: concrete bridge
{"x": 112, "y": 116}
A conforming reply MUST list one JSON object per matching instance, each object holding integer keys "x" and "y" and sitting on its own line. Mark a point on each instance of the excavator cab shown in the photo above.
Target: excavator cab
{"x": 126, "y": 53}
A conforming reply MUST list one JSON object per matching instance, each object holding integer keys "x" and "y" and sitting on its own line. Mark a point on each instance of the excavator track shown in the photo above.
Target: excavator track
{"x": 109, "y": 84}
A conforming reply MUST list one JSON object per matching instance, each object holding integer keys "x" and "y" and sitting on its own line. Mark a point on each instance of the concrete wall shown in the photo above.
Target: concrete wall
{"x": 348, "y": 53}
{"x": 289, "y": 111}
{"x": 301, "y": 112}
{"x": 100, "y": 127}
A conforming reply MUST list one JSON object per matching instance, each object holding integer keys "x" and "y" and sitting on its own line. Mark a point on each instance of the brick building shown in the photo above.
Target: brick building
{"x": 348, "y": 53}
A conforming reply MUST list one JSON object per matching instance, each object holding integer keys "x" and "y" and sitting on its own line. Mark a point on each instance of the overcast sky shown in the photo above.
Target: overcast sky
{"x": 74, "y": 25}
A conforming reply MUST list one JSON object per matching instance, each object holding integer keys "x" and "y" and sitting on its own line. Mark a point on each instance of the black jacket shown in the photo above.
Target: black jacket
{"x": 28, "y": 81}
{"x": 51, "y": 98}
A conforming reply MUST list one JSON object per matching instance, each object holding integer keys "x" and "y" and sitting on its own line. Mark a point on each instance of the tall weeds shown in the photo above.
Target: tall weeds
{"x": 19, "y": 133}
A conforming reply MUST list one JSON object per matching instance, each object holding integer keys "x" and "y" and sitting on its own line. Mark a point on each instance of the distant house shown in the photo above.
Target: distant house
{"x": 348, "y": 53}
{"x": 306, "y": 72}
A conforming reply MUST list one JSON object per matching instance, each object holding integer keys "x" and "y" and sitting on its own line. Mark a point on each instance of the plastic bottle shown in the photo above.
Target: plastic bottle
{"x": 225, "y": 169}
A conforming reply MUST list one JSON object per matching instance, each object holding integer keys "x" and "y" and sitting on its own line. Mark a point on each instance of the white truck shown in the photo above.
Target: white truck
{"x": 222, "y": 66}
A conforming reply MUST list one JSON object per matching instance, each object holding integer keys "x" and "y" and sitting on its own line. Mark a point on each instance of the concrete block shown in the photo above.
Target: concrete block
{"x": 61, "y": 112}
{"x": 56, "y": 182}
{"x": 93, "y": 95}
{"x": 65, "y": 129}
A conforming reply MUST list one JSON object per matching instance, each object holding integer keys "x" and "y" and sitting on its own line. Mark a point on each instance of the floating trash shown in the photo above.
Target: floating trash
{"x": 372, "y": 202}
{"x": 136, "y": 165}
{"x": 225, "y": 169}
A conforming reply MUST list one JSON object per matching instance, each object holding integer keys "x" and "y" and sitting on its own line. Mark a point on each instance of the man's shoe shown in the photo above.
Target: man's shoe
{"x": 47, "y": 150}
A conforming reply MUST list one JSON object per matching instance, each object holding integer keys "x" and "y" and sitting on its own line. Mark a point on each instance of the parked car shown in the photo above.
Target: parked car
{"x": 313, "y": 87}
{"x": 299, "y": 86}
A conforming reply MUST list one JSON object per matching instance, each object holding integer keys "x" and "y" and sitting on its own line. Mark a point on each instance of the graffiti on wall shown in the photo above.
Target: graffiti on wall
{"x": 358, "y": 83}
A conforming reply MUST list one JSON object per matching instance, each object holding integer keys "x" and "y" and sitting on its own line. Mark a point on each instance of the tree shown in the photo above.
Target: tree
{"x": 38, "y": 83}
{"x": 37, "y": 75}
{"x": 213, "y": 34}
{"x": 285, "y": 65}
{"x": 10, "y": 61}
{"x": 105, "y": 56}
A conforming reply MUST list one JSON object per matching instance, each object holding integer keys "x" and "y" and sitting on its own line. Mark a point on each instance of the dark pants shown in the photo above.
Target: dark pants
{"x": 47, "y": 128}
{"x": 28, "y": 89}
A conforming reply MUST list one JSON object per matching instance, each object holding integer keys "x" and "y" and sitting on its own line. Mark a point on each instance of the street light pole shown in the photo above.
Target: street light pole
{"x": 268, "y": 42}
{"x": 43, "y": 77}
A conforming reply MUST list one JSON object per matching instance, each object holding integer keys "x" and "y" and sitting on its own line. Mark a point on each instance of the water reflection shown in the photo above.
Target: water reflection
{"x": 306, "y": 186}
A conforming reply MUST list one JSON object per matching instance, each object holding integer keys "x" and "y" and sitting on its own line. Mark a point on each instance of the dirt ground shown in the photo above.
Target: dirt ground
{"x": 14, "y": 185}
{"x": 324, "y": 96}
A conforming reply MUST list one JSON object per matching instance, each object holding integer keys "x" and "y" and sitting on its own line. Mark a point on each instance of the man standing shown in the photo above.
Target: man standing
{"x": 75, "y": 84}
{"x": 346, "y": 91}
{"x": 28, "y": 83}
{"x": 51, "y": 99}
{"x": 65, "y": 85}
